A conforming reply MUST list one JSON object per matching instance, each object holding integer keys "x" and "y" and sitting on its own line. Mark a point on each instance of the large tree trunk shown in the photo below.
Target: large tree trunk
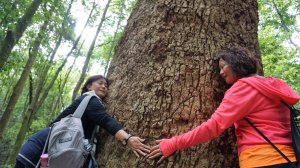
{"x": 165, "y": 77}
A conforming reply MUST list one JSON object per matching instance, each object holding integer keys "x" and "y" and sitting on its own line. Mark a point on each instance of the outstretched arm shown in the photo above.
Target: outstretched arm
{"x": 235, "y": 105}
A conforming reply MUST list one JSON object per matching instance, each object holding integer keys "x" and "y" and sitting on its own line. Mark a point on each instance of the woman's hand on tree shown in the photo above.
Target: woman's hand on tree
{"x": 156, "y": 152}
{"x": 136, "y": 145}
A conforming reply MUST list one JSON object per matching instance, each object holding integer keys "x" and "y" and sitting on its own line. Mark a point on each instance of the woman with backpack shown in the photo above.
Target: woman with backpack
{"x": 94, "y": 114}
{"x": 251, "y": 97}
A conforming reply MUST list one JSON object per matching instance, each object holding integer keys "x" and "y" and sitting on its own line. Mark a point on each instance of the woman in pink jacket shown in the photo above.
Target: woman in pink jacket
{"x": 253, "y": 97}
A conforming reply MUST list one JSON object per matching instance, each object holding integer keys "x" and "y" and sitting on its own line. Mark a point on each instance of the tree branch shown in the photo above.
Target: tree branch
{"x": 284, "y": 26}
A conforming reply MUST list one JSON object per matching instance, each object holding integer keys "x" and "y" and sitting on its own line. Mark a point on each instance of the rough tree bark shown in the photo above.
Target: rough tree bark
{"x": 165, "y": 78}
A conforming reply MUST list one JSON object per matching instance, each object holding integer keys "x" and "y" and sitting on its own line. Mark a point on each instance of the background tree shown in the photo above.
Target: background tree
{"x": 279, "y": 39}
{"x": 34, "y": 55}
{"x": 12, "y": 36}
{"x": 54, "y": 72}
{"x": 165, "y": 77}
{"x": 21, "y": 82}
{"x": 90, "y": 52}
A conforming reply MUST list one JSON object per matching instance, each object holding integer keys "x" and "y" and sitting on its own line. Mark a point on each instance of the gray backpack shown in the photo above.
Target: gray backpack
{"x": 67, "y": 147}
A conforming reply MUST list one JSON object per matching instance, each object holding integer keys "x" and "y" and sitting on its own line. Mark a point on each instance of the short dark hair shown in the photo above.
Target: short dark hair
{"x": 240, "y": 60}
{"x": 90, "y": 80}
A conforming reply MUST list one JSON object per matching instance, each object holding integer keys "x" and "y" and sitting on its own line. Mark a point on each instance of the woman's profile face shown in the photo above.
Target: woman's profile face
{"x": 100, "y": 87}
{"x": 226, "y": 72}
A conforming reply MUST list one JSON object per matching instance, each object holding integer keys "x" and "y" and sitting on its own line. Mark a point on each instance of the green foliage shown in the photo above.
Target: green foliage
{"x": 18, "y": 58}
{"x": 119, "y": 11}
{"x": 277, "y": 27}
{"x": 10, "y": 11}
{"x": 106, "y": 50}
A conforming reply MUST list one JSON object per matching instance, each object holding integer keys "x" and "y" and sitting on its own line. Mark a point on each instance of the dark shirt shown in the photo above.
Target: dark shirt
{"x": 94, "y": 114}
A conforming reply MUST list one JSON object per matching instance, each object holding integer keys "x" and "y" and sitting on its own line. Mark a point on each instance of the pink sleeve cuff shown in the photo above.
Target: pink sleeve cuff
{"x": 167, "y": 147}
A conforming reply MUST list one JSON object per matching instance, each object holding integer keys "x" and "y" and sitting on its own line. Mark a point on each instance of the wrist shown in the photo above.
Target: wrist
{"x": 167, "y": 148}
{"x": 126, "y": 138}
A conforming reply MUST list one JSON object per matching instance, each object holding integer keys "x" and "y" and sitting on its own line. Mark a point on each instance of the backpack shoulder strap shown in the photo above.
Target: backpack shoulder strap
{"x": 283, "y": 102}
{"x": 82, "y": 106}
{"x": 271, "y": 143}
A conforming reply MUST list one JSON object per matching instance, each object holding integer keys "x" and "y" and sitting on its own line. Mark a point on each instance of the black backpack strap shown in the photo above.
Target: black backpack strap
{"x": 286, "y": 104}
{"x": 90, "y": 161}
{"x": 95, "y": 131}
{"x": 268, "y": 140}
{"x": 93, "y": 161}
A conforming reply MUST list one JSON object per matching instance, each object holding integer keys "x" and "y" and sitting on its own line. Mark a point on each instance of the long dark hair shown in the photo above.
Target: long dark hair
{"x": 90, "y": 80}
{"x": 240, "y": 60}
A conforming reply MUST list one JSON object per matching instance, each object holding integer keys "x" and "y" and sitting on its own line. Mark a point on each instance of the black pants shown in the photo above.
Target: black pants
{"x": 283, "y": 165}
{"x": 19, "y": 164}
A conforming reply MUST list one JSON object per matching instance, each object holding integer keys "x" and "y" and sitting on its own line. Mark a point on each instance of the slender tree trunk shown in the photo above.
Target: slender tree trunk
{"x": 114, "y": 38}
{"x": 18, "y": 92}
{"x": 283, "y": 24}
{"x": 13, "y": 36}
{"x": 62, "y": 86}
{"x": 60, "y": 99}
{"x": 165, "y": 77}
{"x": 90, "y": 52}
{"x": 21, "y": 82}
{"x": 79, "y": 37}
{"x": 34, "y": 106}
{"x": 4, "y": 100}
{"x": 55, "y": 107}
{"x": 70, "y": 69}
{"x": 41, "y": 81}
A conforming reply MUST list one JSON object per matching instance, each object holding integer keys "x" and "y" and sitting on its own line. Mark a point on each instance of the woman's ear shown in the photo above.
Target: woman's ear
{"x": 88, "y": 87}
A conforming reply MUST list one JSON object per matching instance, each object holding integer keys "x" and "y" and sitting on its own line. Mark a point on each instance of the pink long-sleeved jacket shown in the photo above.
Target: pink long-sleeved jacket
{"x": 256, "y": 98}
